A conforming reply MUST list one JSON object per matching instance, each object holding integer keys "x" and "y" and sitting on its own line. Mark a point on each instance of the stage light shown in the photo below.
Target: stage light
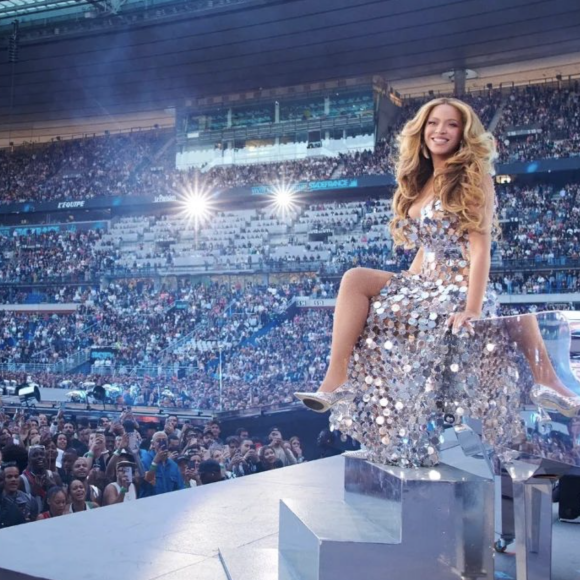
{"x": 284, "y": 198}
{"x": 197, "y": 203}
{"x": 197, "y": 206}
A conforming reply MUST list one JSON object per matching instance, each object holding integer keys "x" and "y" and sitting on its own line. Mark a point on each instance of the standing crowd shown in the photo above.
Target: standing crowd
{"x": 55, "y": 466}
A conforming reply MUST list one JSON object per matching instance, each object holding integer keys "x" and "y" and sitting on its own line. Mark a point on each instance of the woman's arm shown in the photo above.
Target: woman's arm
{"x": 480, "y": 256}
{"x": 417, "y": 264}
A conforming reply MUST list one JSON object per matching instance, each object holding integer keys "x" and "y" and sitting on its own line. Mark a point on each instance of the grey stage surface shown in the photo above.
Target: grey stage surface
{"x": 177, "y": 536}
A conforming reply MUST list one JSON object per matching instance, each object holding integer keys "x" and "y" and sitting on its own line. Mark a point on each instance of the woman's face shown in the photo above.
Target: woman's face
{"x": 81, "y": 468}
{"x": 57, "y": 503}
{"x": 295, "y": 445}
{"x": 443, "y": 130}
{"x": 34, "y": 432}
{"x": 61, "y": 441}
{"x": 269, "y": 455}
{"x": 77, "y": 490}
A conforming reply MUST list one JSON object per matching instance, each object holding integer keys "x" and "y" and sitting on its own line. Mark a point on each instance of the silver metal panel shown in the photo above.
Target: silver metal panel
{"x": 458, "y": 506}
{"x": 381, "y": 528}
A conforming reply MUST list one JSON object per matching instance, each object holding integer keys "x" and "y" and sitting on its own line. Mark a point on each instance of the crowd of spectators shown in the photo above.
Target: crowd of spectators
{"x": 554, "y": 281}
{"x": 546, "y": 121}
{"x": 143, "y": 323}
{"x": 80, "y": 168}
{"x": 53, "y": 255}
{"x": 540, "y": 223}
{"x": 52, "y": 466}
{"x": 141, "y": 163}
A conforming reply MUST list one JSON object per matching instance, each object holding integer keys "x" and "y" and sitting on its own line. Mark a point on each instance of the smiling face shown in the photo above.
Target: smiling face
{"x": 443, "y": 130}
{"x": 269, "y": 455}
{"x": 62, "y": 441}
{"x": 37, "y": 459}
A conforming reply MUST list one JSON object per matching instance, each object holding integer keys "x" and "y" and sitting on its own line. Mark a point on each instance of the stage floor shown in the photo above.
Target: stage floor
{"x": 177, "y": 536}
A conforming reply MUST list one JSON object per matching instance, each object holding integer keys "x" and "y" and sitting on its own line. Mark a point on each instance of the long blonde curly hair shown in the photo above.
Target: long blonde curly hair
{"x": 459, "y": 184}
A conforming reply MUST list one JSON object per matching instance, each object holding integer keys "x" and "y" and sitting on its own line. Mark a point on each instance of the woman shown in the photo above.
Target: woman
{"x": 77, "y": 502}
{"x": 33, "y": 437}
{"x": 56, "y": 500}
{"x": 81, "y": 472}
{"x": 62, "y": 443}
{"x": 408, "y": 375}
{"x": 51, "y": 453}
{"x": 296, "y": 448}
{"x": 268, "y": 459}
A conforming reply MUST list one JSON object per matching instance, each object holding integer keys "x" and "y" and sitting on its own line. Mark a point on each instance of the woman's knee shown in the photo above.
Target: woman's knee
{"x": 365, "y": 280}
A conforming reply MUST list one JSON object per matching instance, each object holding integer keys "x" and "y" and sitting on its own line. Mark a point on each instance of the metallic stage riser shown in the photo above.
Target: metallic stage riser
{"x": 445, "y": 526}
{"x": 533, "y": 528}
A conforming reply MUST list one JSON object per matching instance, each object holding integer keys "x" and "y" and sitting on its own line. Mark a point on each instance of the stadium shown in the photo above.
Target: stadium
{"x": 184, "y": 186}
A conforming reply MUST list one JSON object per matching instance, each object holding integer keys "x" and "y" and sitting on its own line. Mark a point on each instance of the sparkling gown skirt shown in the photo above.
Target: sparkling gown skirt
{"x": 411, "y": 376}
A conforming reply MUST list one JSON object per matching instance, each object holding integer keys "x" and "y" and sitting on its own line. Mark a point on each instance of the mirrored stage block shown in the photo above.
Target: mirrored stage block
{"x": 549, "y": 445}
{"x": 394, "y": 523}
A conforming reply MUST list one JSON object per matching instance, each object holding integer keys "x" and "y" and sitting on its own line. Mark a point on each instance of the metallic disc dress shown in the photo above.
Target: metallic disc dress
{"x": 410, "y": 375}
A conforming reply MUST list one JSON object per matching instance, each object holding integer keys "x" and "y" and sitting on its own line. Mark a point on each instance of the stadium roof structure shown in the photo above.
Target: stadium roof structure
{"x": 126, "y": 64}
{"x": 28, "y": 10}
{"x": 17, "y": 8}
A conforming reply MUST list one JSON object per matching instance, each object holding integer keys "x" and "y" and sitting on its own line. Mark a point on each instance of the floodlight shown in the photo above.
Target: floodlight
{"x": 284, "y": 198}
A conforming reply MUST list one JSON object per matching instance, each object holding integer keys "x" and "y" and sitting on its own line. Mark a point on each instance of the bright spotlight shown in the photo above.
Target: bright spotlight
{"x": 284, "y": 198}
{"x": 197, "y": 204}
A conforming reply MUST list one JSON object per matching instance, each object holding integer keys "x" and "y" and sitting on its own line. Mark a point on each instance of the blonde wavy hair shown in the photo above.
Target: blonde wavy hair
{"x": 459, "y": 184}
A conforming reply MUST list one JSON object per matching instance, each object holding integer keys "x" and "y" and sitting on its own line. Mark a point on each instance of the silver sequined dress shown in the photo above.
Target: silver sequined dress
{"x": 410, "y": 375}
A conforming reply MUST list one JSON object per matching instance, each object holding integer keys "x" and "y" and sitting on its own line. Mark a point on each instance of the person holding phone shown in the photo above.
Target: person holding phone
{"x": 162, "y": 474}
{"x": 123, "y": 489}
{"x": 246, "y": 460}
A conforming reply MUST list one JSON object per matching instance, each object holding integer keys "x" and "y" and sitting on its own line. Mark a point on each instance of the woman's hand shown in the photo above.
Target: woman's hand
{"x": 463, "y": 319}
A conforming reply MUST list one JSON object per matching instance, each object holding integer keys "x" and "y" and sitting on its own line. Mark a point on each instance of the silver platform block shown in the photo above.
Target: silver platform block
{"x": 393, "y": 523}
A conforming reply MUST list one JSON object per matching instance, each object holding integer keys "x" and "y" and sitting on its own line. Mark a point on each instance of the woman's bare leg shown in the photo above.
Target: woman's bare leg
{"x": 357, "y": 287}
{"x": 525, "y": 330}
